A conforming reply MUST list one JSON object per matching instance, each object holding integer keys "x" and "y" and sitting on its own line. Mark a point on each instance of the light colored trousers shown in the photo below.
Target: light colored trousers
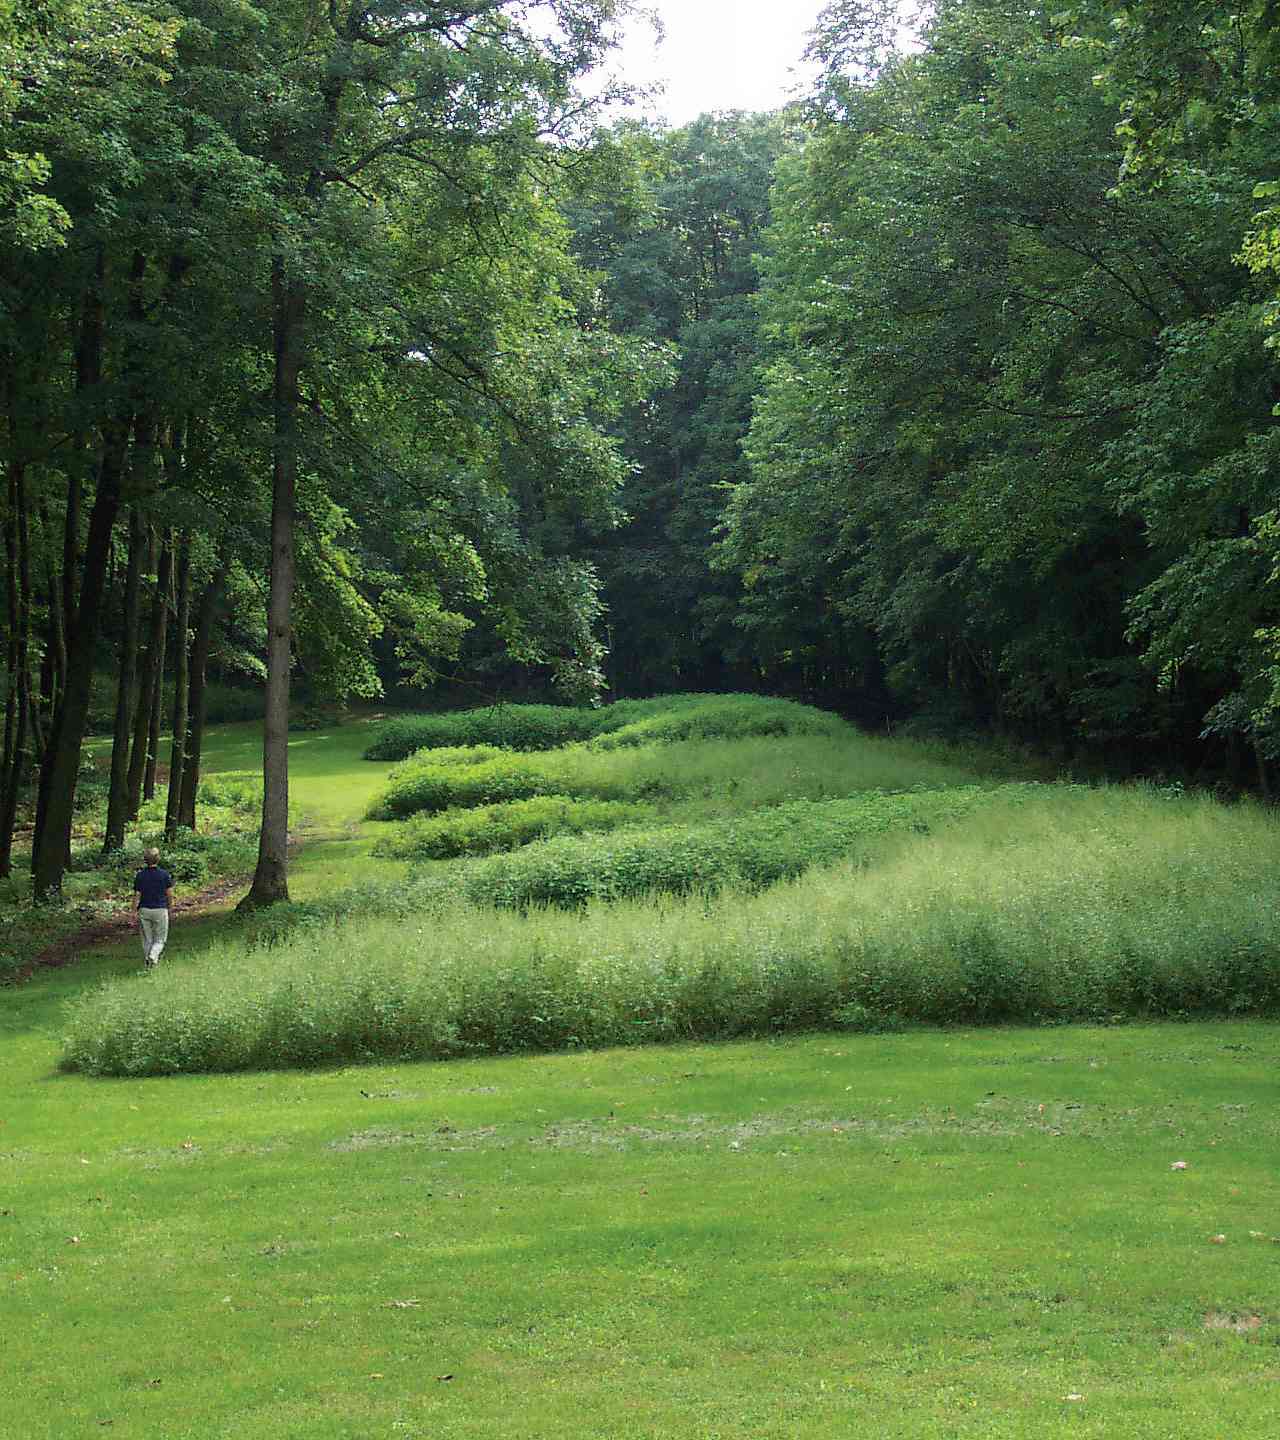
{"x": 153, "y": 925}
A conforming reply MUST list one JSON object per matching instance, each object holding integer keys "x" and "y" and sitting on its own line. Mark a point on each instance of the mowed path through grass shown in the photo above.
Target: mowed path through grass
{"x": 927, "y": 1234}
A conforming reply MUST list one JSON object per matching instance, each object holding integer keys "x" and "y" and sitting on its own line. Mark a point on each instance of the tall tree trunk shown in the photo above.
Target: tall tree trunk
{"x": 54, "y": 665}
{"x": 62, "y": 761}
{"x": 118, "y": 797}
{"x": 200, "y": 648}
{"x": 11, "y": 767}
{"x": 28, "y": 722}
{"x": 88, "y": 363}
{"x": 181, "y": 693}
{"x": 156, "y": 712}
{"x": 271, "y": 878}
{"x": 152, "y": 658}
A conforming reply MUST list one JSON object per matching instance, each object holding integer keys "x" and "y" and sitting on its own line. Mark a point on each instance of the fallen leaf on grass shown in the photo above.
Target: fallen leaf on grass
{"x": 1073, "y": 1396}
{"x": 1217, "y": 1239}
{"x": 402, "y": 1304}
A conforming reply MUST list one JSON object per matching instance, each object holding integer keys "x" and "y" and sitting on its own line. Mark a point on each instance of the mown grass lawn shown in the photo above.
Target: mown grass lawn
{"x": 917, "y": 1235}
{"x": 930, "y": 1234}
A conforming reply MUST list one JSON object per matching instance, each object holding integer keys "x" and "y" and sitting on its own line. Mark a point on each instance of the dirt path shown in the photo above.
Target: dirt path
{"x": 108, "y": 929}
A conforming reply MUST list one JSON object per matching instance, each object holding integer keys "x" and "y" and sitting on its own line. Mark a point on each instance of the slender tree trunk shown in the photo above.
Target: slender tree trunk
{"x": 181, "y": 692}
{"x": 156, "y": 712}
{"x": 62, "y": 762}
{"x": 54, "y": 665}
{"x": 27, "y": 720}
{"x": 11, "y": 768}
{"x": 271, "y": 878}
{"x": 118, "y": 797}
{"x": 88, "y": 362}
{"x": 148, "y": 679}
{"x": 200, "y": 648}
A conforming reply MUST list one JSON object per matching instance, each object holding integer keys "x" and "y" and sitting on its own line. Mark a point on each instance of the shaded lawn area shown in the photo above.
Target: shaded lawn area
{"x": 917, "y": 1235}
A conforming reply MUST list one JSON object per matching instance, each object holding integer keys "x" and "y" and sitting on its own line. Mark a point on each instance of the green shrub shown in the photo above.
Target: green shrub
{"x": 745, "y": 773}
{"x": 512, "y": 727}
{"x": 1067, "y": 904}
{"x": 239, "y": 790}
{"x": 723, "y": 717}
{"x": 492, "y": 828}
{"x": 746, "y": 852}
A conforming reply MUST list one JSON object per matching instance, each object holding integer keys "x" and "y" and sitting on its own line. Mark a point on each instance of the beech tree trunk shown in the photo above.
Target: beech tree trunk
{"x": 156, "y": 712}
{"x": 271, "y": 878}
{"x": 118, "y": 797}
{"x": 52, "y": 846}
{"x": 153, "y": 657}
{"x": 15, "y": 712}
{"x": 200, "y": 647}
{"x": 181, "y": 675}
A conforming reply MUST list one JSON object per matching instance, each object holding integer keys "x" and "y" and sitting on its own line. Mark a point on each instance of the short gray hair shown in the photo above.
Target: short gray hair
{"x": 151, "y": 856}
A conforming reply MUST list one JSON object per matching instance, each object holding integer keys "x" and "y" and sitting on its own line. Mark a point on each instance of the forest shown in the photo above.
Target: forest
{"x": 637, "y": 792}
{"x": 357, "y": 350}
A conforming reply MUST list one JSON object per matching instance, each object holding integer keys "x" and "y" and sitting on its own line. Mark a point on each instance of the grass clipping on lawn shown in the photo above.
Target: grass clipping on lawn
{"x": 1074, "y": 904}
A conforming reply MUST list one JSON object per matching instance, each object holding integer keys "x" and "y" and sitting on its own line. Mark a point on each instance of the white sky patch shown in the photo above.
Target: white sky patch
{"x": 720, "y": 55}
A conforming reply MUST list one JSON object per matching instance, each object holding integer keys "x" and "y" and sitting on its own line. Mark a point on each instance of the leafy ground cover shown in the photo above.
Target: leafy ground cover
{"x": 513, "y": 727}
{"x": 486, "y": 829}
{"x": 623, "y": 724}
{"x": 737, "y": 773}
{"x": 941, "y": 1235}
{"x": 743, "y": 852}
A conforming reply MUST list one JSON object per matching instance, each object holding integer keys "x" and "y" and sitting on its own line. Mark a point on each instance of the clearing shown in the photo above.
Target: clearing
{"x": 928, "y": 1234}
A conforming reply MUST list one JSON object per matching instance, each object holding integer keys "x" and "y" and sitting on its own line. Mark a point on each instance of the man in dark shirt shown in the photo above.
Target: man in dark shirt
{"x": 152, "y": 896}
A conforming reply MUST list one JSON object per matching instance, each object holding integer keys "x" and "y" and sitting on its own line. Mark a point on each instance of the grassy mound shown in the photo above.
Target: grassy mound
{"x": 723, "y": 717}
{"x": 764, "y": 771}
{"x": 492, "y": 828}
{"x": 744, "y": 852}
{"x": 1068, "y": 905}
{"x": 513, "y": 727}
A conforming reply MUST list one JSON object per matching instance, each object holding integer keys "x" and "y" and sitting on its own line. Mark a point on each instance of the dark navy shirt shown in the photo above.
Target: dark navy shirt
{"x": 151, "y": 884}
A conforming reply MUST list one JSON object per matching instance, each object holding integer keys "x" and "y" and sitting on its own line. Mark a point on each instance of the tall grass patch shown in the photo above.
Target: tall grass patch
{"x": 723, "y": 717}
{"x": 513, "y": 727}
{"x": 493, "y": 828}
{"x": 1071, "y": 904}
{"x": 743, "y": 852}
{"x": 748, "y": 773}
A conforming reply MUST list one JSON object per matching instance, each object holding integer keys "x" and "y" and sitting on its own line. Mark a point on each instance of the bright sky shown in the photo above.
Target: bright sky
{"x": 721, "y": 54}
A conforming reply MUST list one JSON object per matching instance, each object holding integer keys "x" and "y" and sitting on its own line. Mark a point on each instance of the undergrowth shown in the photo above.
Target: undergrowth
{"x": 1069, "y": 904}
{"x": 512, "y": 727}
{"x": 743, "y": 852}
{"x": 745, "y": 773}
{"x": 492, "y": 828}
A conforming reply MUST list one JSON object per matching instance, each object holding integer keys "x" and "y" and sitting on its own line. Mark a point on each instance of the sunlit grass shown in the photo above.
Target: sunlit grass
{"x": 1069, "y": 904}
{"x": 925, "y": 1235}
{"x": 739, "y": 773}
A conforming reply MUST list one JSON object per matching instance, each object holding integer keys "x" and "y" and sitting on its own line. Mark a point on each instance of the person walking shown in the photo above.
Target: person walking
{"x": 152, "y": 896}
